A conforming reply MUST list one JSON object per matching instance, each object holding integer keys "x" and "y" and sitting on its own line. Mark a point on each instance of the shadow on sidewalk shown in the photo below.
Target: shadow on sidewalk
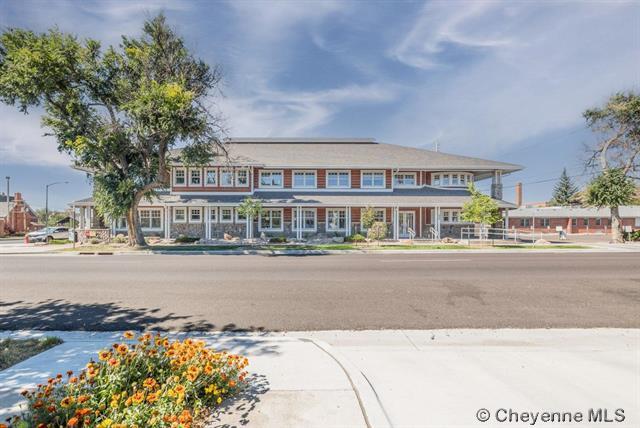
{"x": 236, "y": 411}
{"x": 58, "y": 314}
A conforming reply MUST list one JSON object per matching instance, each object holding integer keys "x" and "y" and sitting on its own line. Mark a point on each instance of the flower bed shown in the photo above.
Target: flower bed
{"x": 152, "y": 383}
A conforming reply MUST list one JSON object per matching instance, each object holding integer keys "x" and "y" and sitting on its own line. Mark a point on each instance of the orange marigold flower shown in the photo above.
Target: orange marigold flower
{"x": 149, "y": 383}
{"x": 232, "y": 383}
{"x": 38, "y": 404}
{"x": 137, "y": 398}
{"x": 114, "y": 362}
{"x": 128, "y": 335}
{"x": 83, "y": 398}
{"x": 66, "y": 401}
{"x": 82, "y": 412}
{"x": 51, "y": 408}
{"x": 104, "y": 355}
{"x": 73, "y": 379}
{"x": 122, "y": 349}
{"x": 179, "y": 389}
{"x": 152, "y": 397}
{"x": 72, "y": 422}
{"x": 69, "y": 372}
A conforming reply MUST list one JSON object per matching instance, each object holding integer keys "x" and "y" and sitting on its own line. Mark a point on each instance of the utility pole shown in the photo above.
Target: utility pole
{"x": 8, "y": 205}
{"x": 46, "y": 201}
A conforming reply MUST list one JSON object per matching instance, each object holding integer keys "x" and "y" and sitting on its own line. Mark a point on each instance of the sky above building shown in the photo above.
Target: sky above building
{"x": 501, "y": 80}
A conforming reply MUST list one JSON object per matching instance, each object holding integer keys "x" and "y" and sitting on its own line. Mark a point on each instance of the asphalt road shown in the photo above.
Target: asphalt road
{"x": 408, "y": 291}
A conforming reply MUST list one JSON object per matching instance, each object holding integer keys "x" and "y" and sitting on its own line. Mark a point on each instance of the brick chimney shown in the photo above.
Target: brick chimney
{"x": 519, "y": 194}
{"x": 17, "y": 197}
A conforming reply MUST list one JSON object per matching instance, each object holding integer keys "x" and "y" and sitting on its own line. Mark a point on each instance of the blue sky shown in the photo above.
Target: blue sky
{"x": 501, "y": 80}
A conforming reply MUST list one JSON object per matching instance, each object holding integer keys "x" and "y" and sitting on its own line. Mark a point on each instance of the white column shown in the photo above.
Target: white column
{"x": 248, "y": 226}
{"x": 396, "y": 218}
{"x": 299, "y": 222}
{"x": 506, "y": 218}
{"x": 348, "y": 221}
{"x": 207, "y": 223}
{"x": 167, "y": 222}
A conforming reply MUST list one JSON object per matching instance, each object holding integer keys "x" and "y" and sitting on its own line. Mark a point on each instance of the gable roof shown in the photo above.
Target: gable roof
{"x": 345, "y": 153}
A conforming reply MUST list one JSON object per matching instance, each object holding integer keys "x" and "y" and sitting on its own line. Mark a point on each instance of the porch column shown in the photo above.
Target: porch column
{"x": 83, "y": 217}
{"x": 437, "y": 221}
{"x": 207, "y": 222}
{"x": 348, "y": 221}
{"x": 420, "y": 220}
{"x": 506, "y": 218}
{"x": 249, "y": 223}
{"x": 167, "y": 222}
{"x": 299, "y": 222}
{"x": 396, "y": 219}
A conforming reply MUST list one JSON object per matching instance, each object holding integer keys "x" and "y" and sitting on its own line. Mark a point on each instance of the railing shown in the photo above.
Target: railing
{"x": 435, "y": 233}
{"x": 484, "y": 234}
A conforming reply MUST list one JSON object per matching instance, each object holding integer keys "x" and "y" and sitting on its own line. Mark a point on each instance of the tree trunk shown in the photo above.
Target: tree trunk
{"x": 136, "y": 238}
{"x": 616, "y": 226}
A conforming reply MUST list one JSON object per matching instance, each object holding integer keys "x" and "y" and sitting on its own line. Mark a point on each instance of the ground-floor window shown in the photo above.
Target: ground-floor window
{"x": 121, "y": 223}
{"x": 336, "y": 219}
{"x": 150, "y": 218}
{"x": 240, "y": 218}
{"x": 195, "y": 215}
{"x": 226, "y": 215}
{"x": 379, "y": 216}
{"x": 213, "y": 215}
{"x": 451, "y": 216}
{"x": 271, "y": 219}
{"x": 598, "y": 221}
{"x": 544, "y": 222}
{"x": 179, "y": 215}
{"x": 525, "y": 222}
{"x": 308, "y": 219}
{"x": 574, "y": 222}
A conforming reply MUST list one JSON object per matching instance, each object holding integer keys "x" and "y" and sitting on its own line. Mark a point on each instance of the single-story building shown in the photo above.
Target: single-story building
{"x": 571, "y": 219}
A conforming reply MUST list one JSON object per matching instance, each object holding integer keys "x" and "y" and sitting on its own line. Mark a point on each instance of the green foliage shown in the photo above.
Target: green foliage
{"x": 355, "y": 238}
{"x": 117, "y": 112}
{"x": 633, "y": 236}
{"x": 250, "y": 207}
{"x": 481, "y": 209}
{"x": 278, "y": 240}
{"x": 367, "y": 217}
{"x": 377, "y": 231}
{"x": 565, "y": 192}
{"x": 611, "y": 189}
{"x": 54, "y": 216}
{"x": 183, "y": 239}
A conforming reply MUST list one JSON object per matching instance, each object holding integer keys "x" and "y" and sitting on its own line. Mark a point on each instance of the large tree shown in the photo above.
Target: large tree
{"x": 565, "y": 192}
{"x": 481, "y": 209}
{"x": 616, "y": 155}
{"x": 117, "y": 112}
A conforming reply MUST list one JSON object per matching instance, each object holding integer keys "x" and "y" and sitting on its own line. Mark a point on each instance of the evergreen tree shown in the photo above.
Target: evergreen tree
{"x": 565, "y": 193}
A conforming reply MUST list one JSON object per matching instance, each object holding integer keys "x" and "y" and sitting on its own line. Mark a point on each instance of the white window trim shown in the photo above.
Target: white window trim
{"x": 260, "y": 228}
{"x": 248, "y": 177}
{"x": 221, "y": 220}
{"x": 468, "y": 178}
{"x": 233, "y": 177}
{"x": 201, "y": 215}
{"x": 326, "y": 219}
{"x": 186, "y": 213}
{"x": 270, "y": 171}
{"x": 415, "y": 180}
{"x": 450, "y": 212}
{"x": 294, "y": 215}
{"x": 189, "y": 184}
{"x": 373, "y": 171}
{"x": 186, "y": 177}
{"x": 237, "y": 217}
{"x": 204, "y": 177}
{"x": 337, "y": 171}
{"x": 213, "y": 210}
{"x": 304, "y": 171}
{"x": 152, "y": 209}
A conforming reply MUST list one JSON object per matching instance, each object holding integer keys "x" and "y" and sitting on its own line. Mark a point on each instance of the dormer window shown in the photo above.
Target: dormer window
{"x": 453, "y": 179}
{"x": 405, "y": 179}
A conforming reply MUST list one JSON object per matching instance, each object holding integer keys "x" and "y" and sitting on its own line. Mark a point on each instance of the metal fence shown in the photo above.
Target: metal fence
{"x": 486, "y": 234}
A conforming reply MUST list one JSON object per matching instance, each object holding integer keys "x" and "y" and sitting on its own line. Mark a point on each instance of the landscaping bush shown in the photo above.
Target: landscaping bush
{"x": 278, "y": 240}
{"x": 183, "y": 239}
{"x": 633, "y": 236}
{"x": 357, "y": 238}
{"x": 377, "y": 231}
{"x": 154, "y": 383}
{"x": 94, "y": 241}
{"x": 119, "y": 239}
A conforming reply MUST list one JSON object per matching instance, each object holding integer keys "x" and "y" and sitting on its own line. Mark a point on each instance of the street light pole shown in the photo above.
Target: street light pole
{"x": 8, "y": 205}
{"x": 46, "y": 201}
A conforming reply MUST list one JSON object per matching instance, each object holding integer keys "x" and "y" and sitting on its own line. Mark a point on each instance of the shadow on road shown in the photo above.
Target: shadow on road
{"x": 58, "y": 314}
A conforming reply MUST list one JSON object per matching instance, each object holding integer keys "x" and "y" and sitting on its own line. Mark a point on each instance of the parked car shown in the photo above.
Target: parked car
{"x": 48, "y": 234}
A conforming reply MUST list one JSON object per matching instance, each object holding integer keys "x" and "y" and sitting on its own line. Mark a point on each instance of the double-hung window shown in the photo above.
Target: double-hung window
{"x": 271, "y": 219}
{"x": 574, "y": 222}
{"x": 213, "y": 215}
{"x": 226, "y": 215}
{"x": 585, "y": 221}
{"x": 270, "y": 178}
{"x": 179, "y": 215}
{"x": 211, "y": 177}
{"x": 405, "y": 179}
{"x": 304, "y": 179}
{"x": 240, "y": 218}
{"x": 525, "y": 222}
{"x": 598, "y": 221}
{"x": 150, "y": 218}
{"x": 436, "y": 180}
{"x": 242, "y": 178}
{"x": 461, "y": 179}
{"x": 338, "y": 179}
{"x": 544, "y": 222}
{"x": 373, "y": 179}
{"x": 194, "y": 177}
{"x": 179, "y": 177}
{"x": 308, "y": 219}
{"x": 336, "y": 219}
{"x": 226, "y": 178}
{"x": 445, "y": 216}
{"x": 195, "y": 215}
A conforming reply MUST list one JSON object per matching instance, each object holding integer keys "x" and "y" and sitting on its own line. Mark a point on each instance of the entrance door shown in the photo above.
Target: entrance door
{"x": 407, "y": 223}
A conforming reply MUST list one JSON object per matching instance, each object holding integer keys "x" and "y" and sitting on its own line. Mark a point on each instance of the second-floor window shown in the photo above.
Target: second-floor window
{"x": 451, "y": 179}
{"x": 304, "y": 179}
{"x": 211, "y": 177}
{"x": 373, "y": 179}
{"x": 270, "y": 178}
{"x": 405, "y": 179}
{"x": 242, "y": 178}
{"x": 194, "y": 177}
{"x": 226, "y": 177}
{"x": 338, "y": 179}
{"x": 180, "y": 178}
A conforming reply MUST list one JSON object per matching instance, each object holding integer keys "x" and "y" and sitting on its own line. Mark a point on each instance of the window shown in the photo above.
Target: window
{"x": 195, "y": 215}
{"x": 637, "y": 221}
{"x": 373, "y": 179}
{"x": 308, "y": 219}
{"x": 454, "y": 180}
{"x": 585, "y": 221}
{"x": 240, "y": 218}
{"x": 445, "y": 180}
{"x": 525, "y": 222}
{"x": 271, "y": 219}
{"x": 574, "y": 222}
{"x": 544, "y": 222}
{"x": 598, "y": 221}
{"x": 405, "y": 179}
{"x": 445, "y": 216}
{"x": 336, "y": 219}
{"x": 226, "y": 178}
{"x": 270, "y": 178}
{"x": 121, "y": 223}
{"x": 455, "y": 216}
{"x": 213, "y": 215}
{"x": 242, "y": 178}
{"x": 211, "y": 177}
{"x": 436, "y": 179}
{"x": 451, "y": 216}
{"x": 194, "y": 177}
{"x": 150, "y": 218}
{"x": 226, "y": 215}
{"x": 304, "y": 179}
{"x": 179, "y": 177}
{"x": 179, "y": 215}
{"x": 461, "y": 179}
{"x": 339, "y": 179}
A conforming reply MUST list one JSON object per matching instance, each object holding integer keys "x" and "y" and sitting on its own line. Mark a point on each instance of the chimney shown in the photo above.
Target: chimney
{"x": 519, "y": 194}
{"x": 17, "y": 197}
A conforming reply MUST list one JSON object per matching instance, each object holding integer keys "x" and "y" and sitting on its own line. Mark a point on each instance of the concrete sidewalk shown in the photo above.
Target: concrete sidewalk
{"x": 399, "y": 378}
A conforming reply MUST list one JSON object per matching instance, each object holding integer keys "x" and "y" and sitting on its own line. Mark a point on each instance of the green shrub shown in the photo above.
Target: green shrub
{"x": 152, "y": 383}
{"x": 355, "y": 238}
{"x": 94, "y": 241}
{"x": 278, "y": 240}
{"x": 119, "y": 239}
{"x": 633, "y": 236}
{"x": 183, "y": 239}
{"x": 377, "y": 231}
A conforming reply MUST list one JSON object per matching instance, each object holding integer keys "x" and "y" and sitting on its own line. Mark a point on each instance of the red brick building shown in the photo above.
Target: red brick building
{"x": 16, "y": 216}
{"x": 571, "y": 219}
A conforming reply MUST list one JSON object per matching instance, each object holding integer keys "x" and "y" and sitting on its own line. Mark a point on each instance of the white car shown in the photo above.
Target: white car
{"x": 48, "y": 234}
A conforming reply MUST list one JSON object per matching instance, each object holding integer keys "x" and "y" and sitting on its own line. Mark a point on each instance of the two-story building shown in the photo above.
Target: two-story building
{"x": 315, "y": 188}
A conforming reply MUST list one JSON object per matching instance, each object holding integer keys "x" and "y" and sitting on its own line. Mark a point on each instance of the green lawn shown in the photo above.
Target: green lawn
{"x": 12, "y": 351}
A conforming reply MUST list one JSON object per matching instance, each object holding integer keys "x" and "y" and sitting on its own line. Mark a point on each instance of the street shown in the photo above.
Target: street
{"x": 399, "y": 291}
